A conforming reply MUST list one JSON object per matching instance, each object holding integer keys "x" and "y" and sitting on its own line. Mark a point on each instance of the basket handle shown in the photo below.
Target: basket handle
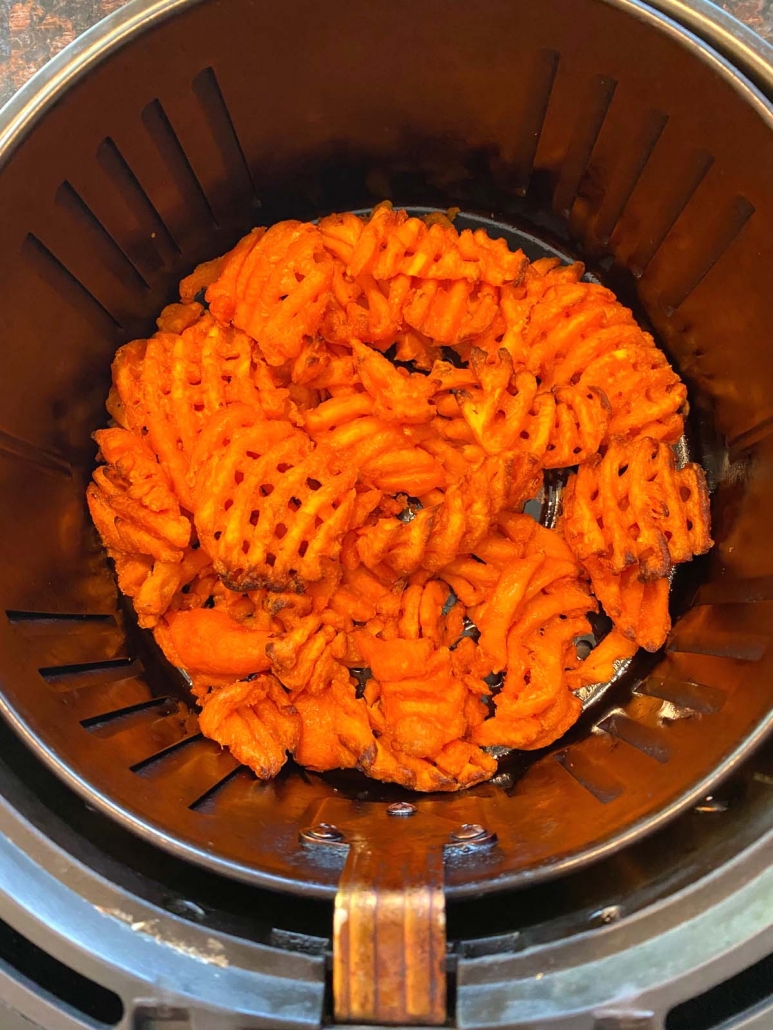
{"x": 389, "y": 935}
{"x": 389, "y": 925}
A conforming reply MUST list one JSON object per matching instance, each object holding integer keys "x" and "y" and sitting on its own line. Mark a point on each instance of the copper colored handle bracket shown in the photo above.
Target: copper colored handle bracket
{"x": 389, "y": 936}
{"x": 389, "y": 926}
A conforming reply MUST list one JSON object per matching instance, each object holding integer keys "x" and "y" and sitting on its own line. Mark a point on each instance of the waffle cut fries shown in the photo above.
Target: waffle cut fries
{"x": 313, "y": 490}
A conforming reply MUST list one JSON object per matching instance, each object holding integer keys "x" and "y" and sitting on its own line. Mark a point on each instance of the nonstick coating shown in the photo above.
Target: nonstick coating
{"x": 599, "y": 128}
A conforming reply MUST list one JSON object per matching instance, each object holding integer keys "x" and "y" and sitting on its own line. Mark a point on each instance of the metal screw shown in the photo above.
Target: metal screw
{"x": 401, "y": 808}
{"x": 610, "y": 914}
{"x": 324, "y": 833}
{"x": 472, "y": 833}
{"x": 186, "y": 909}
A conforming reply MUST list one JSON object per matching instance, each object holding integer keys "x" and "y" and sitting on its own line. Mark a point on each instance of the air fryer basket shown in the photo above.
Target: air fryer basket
{"x": 598, "y": 129}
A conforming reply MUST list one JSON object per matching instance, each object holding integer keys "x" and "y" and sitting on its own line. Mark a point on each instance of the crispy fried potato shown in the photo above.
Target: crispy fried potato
{"x": 635, "y": 506}
{"x": 314, "y": 494}
{"x": 335, "y": 731}
{"x": 601, "y": 664}
{"x": 209, "y": 640}
{"x": 275, "y": 288}
{"x": 256, "y": 721}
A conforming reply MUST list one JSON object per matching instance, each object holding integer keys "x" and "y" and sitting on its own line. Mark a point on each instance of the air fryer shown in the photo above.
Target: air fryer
{"x": 595, "y": 130}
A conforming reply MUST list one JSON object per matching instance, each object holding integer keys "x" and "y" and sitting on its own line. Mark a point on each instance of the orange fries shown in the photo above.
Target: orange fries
{"x": 313, "y": 486}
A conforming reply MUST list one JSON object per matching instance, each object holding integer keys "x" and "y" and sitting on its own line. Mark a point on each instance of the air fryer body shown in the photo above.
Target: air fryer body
{"x": 596, "y": 130}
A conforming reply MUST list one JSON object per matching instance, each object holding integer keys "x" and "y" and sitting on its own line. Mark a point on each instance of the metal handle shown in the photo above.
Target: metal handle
{"x": 389, "y": 935}
{"x": 389, "y": 929}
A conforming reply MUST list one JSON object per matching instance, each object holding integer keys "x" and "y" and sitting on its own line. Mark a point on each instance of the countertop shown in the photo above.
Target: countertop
{"x": 32, "y": 31}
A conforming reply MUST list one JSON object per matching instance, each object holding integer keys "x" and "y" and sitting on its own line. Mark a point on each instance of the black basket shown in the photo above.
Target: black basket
{"x": 600, "y": 130}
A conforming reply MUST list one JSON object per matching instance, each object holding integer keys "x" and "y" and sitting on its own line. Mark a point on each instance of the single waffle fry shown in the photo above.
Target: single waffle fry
{"x": 176, "y": 318}
{"x": 500, "y": 611}
{"x": 132, "y": 496}
{"x": 125, "y": 402}
{"x": 391, "y": 243}
{"x": 276, "y": 288}
{"x": 694, "y": 495}
{"x": 270, "y": 519}
{"x": 635, "y": 507}
{"x": 209, "y": 640}
{"x": 335, "y": 730}
{"x": 397, "y": 395}
{"x": 201, "y": 277}
{"x": 638, "y": 609}
{"x": 602, "y": 662}
{"x": 256, "y": 721}
{"x": 184, "y": 379}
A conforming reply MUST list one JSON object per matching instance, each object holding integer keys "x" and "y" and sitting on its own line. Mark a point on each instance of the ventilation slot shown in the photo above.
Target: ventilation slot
{"x": 143, "y": 732}
{"x": 596, "y": 779}
{"x": 582, "y": 142}
{"x": 235, "y": 179}
{"x": 58, "y": 982}
{"x": 624, "y": 182}
{"x": 724, "y": 630}
{"x": 44, "y": 460}
{"x": 64, "y": 641}
{"x": 57, "y": 618}
{"x": 723, "y": 1004}
{"x": 689, "y": 639}
{"x": 89, "y": 701}
{"x": 122, "y": 715}
{"x": 189, "y": 770}
{"x": 99, "y": 240}
{"x": 537, "y": 97}
{"x": 115, "y": 668}
{"x": 693, "y": 697}
{"x": 71, "y": 291}
{"x": 176, "y": 161}
{"x": 684, "y": 185}
{"x": 70, "y": 231}
{"x": 205, "y": 802}
{"x": 649, "y": 741}
{"x": 145, "y": 765}
{"x": 739, "y": 445}
{"x": 154, "y": 245}
{"x": 684, "y": 280}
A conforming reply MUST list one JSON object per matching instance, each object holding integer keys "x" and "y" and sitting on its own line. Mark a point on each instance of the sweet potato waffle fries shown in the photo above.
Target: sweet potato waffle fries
{"x": 313, "y": 487}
